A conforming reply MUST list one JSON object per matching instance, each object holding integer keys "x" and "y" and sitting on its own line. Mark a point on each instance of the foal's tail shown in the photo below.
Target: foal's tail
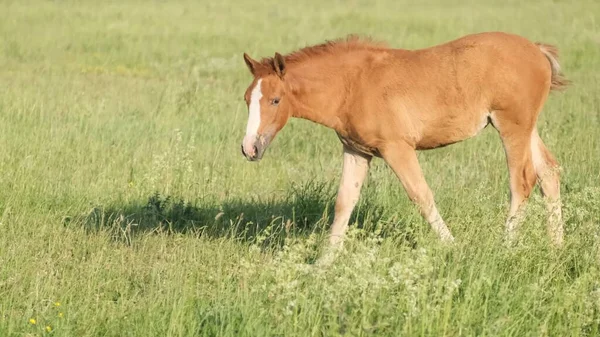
{"x": 559, "y": 82}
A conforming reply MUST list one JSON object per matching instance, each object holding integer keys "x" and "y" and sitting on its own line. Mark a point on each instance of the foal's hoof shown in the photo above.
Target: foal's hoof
{"x": 557, "y": 238}
{"x": 447, "y": 239}
{"x": 510, "y": 240}
{"x": 558, "y": 243}
{"x": 329, "y": 255}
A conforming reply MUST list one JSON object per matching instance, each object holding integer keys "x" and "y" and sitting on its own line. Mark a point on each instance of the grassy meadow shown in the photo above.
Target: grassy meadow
{"x": 127, "y": 209}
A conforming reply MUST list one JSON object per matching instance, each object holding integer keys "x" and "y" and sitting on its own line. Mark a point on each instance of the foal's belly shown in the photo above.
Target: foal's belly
{"x": 446, "y": 130}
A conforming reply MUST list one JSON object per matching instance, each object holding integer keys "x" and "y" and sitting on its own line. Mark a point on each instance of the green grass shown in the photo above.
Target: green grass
{"x": 124, "y": 196}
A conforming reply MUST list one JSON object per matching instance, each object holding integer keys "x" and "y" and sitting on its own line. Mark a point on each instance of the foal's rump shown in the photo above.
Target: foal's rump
{"x": 503, "y": 62}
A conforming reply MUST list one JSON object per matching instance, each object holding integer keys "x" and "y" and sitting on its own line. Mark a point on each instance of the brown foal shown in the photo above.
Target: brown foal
{"x": 389, "y": 103}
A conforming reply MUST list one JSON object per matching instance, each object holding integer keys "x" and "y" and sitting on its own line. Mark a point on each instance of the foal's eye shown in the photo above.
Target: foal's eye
{"x": 275, "y": 101}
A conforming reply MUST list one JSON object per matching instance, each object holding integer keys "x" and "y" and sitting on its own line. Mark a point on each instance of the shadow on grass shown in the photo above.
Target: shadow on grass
{"x": 306, "y": 209}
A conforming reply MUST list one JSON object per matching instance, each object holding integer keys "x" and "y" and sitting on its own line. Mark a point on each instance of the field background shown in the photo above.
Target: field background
{"x": 127, "y": 209}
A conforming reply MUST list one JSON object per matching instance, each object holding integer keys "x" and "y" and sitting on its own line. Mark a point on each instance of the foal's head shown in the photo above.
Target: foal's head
{"x": 268, "y": 106}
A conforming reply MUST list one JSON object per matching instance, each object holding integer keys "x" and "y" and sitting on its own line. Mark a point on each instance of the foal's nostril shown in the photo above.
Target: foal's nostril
{"x": 255, "y": 151}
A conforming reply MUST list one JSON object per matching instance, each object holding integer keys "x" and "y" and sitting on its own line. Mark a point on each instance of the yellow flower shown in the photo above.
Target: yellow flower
{"x": 57, "y": 304}
{"x": 32, "y": 321}
{"x": 48, "y": 328}
{"x": 60, "y": 314}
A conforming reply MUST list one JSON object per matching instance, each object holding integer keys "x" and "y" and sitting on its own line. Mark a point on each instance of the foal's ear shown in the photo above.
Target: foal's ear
{"x": 252, "y": 65}
{"x": 279, "y": 64}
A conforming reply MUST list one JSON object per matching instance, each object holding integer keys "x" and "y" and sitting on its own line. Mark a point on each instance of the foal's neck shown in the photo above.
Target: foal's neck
{"x": 318, "y": 93}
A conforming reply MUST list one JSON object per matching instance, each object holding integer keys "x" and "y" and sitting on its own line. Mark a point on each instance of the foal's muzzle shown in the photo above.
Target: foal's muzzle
{"x": 254, "y": 147}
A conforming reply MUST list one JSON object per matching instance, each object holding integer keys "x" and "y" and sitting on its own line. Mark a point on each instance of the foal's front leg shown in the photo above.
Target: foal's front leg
{"x": 356, "y": 166}
{"x": 402, "y": 158}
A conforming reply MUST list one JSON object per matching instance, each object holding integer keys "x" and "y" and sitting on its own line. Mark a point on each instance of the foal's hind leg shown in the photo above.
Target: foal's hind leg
{"x": 547, "y": 171}
{"x": 516, "y": 138}
{"x": 402, "y": 158}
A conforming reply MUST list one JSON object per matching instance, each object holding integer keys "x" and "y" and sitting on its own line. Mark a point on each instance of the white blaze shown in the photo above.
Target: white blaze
{"x": 253, "y": 119}
{"x": 254, "y": 116}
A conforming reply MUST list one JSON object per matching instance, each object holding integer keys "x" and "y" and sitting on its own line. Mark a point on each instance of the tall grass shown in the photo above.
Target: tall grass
{"x": 126, "y": 208}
